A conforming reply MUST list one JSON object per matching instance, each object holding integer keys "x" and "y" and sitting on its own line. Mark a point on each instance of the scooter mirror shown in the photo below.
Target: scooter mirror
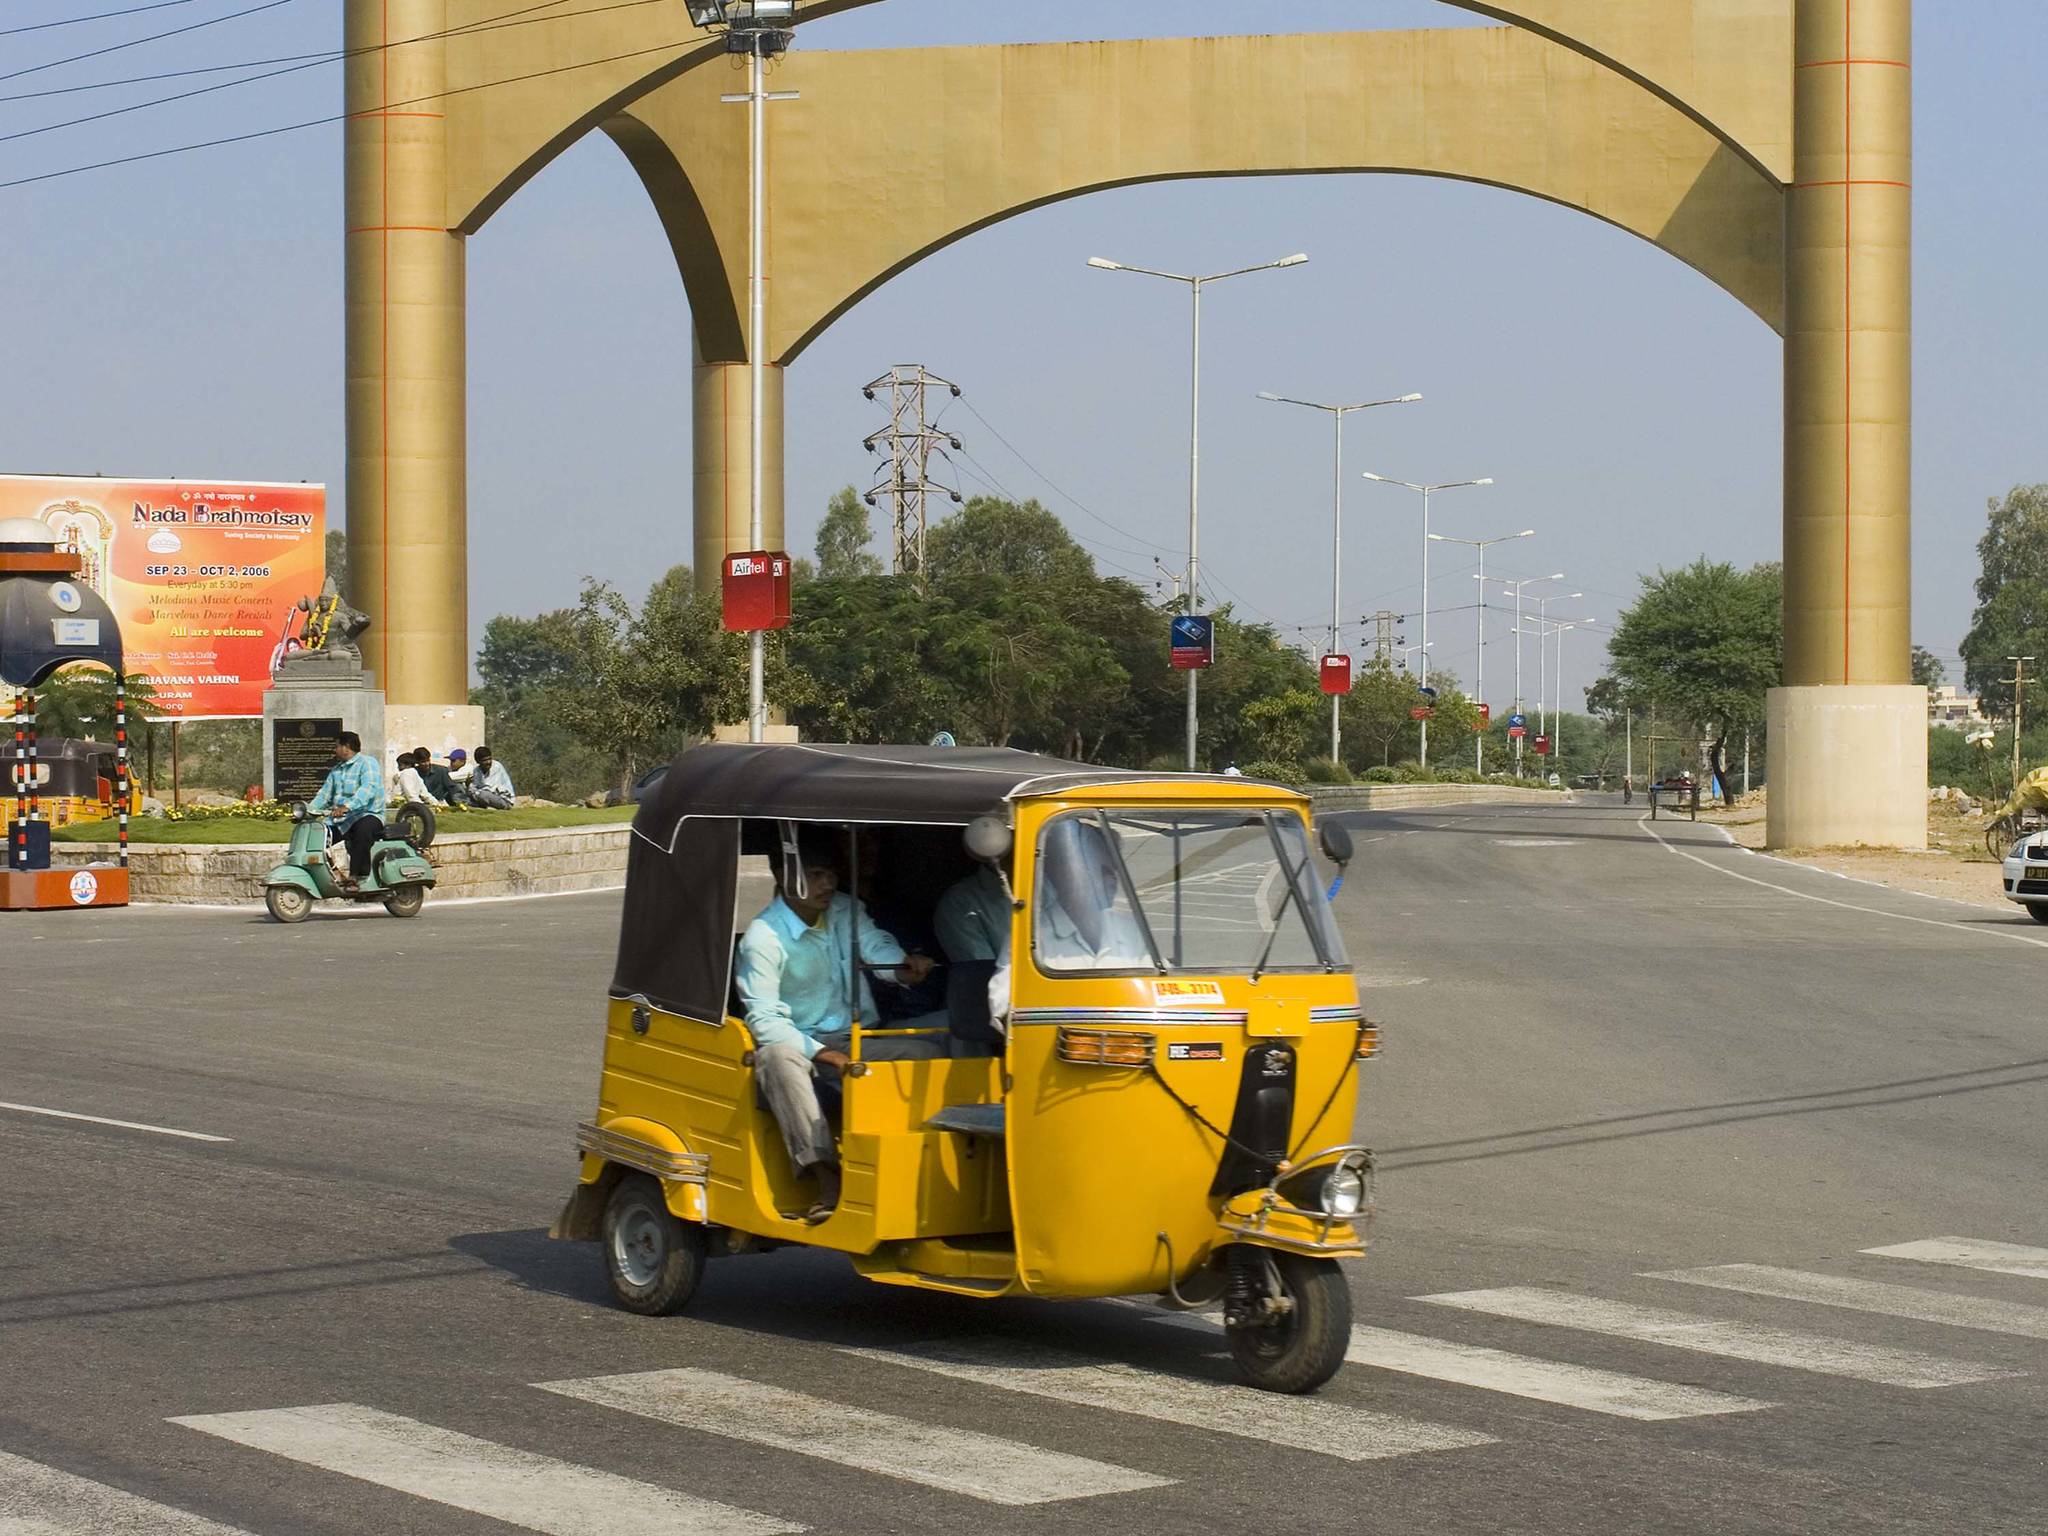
{"x": 988, "y": 839}
{"x": 1336, "y": 839}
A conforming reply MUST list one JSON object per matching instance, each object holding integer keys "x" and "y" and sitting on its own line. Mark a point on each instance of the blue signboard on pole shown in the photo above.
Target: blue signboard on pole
{"x": 1428, "y": 693}
{"x": 1518, "y": 718}
{"x": 1192, "y": 641}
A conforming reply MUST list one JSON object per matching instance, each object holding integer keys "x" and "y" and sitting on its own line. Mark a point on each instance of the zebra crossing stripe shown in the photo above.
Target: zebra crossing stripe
{"x": 1496, "y": 1370}
{"x": 956, "y": 1460}
{"x": 535, "y": 1493}
{"x": 36, "y": 1500}
{"x": 1304, "y": 1423}
{"x": 1710, "y": 1336}
{"x": 1881, "y": 1297}
{"x": 1973, "y": 1253}
{"x": 1547, "y": 1381}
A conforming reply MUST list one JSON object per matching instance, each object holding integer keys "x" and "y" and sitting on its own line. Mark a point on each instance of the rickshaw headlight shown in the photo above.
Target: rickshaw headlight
{"x": 1344, "y": 1190}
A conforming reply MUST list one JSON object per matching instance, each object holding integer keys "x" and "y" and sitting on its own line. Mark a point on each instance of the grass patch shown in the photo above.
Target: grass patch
{"x": 247, "y": 829}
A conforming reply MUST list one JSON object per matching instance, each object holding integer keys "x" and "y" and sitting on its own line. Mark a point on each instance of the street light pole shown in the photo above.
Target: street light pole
{"x": 1426, "y": 490}
{"x": 1194, "y": 590}
{"x": 1526, "y": 581}
{"x": 1479, "y": 684}
{"x": 1337, "y": 413}
{"x": 761, "y": 29}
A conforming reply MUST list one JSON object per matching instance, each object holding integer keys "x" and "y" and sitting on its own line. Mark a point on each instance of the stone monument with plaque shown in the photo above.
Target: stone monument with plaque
{"x": 318, "y": 689}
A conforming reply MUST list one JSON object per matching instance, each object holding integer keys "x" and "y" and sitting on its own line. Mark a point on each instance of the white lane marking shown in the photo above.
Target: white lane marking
{"x": 126, "y": 1125}
{"x": 535, "y": 1493}
{"x": 1978, "y": 929}
{"x": 956, "y": 1460}
{"x": 1973, "y": 1253}
{"x": 1881, "y": 1297}
{"x": 36, "y": 1500}
{"x": 1496, "y": 1370}
{"x": 1536, "y": 842}
{"x": 1735, "y": 1341}
{"x": 1305, "y": 1423}
{"x": 1547, "y": 1381}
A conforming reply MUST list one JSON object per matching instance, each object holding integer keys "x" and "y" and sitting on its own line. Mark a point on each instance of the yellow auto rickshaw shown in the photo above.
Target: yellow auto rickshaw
{"x": 1151, "y": 1093}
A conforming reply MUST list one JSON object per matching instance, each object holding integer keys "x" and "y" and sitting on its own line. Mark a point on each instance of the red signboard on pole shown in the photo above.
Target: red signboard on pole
{"x": 756, "y": 590}
{"x": 1543, "y": 746}
{"x": 1518, "y": 731}
{"x": 1421, "y": 712}
{"x": 1336, "y": 674}
{"x": 1485, "y": 716}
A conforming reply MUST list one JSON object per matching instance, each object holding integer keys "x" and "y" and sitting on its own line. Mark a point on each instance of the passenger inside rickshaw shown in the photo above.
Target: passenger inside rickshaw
{"x": 817, "y": 959}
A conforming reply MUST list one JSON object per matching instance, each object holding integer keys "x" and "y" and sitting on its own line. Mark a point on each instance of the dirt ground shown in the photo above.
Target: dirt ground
{"x": 1955, "y": 864}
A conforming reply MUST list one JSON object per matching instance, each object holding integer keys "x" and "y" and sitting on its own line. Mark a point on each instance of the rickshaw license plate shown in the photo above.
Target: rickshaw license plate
{"x": 1195, "y": 1050}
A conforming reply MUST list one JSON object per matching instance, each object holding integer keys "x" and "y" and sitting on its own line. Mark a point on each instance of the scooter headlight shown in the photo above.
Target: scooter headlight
{"x": 1344, "y": 1190}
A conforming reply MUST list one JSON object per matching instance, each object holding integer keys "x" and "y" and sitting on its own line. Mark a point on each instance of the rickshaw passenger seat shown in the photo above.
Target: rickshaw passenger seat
{"x": 972, "y": 1119}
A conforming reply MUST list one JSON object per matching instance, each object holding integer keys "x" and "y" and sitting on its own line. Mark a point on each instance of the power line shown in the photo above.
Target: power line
{"x": 154, "y": 37}
{"x": 338, "y": 117}
{"x": 1048, "y": 479}
{"x": 72, "y": 21}
{"x": 295, "y": 62}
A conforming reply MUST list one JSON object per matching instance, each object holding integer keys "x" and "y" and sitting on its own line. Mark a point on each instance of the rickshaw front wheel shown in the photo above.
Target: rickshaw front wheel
{"x": 1298, "y": 1344}
{"x": 654, "y": 1261}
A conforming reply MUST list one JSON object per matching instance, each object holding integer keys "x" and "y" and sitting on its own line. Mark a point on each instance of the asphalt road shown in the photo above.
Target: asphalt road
{"x": 1608, "y": 1060}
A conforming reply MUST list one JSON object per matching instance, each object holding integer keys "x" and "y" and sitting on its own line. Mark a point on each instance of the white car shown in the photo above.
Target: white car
{"x": 2026, "y": 875}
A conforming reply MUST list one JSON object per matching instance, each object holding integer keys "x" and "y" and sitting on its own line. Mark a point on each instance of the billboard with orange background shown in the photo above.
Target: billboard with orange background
{"x": 202, "y": 574}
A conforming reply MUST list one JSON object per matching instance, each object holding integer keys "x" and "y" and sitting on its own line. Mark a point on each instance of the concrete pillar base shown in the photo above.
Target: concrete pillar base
{"x": 440, "y": 728}
{"x": 1848, "y": 767}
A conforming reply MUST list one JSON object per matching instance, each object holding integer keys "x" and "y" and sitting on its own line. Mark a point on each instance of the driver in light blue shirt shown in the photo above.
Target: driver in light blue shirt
{"x": 352, "y": 795}
{"x": 797, "y": 981}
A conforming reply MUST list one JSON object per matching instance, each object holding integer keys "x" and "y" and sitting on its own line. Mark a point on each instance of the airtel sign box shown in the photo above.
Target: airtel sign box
{"x": 1191, "y": 642}
{"x": 756, "y": 589}
{"x": 1336, "y": 674}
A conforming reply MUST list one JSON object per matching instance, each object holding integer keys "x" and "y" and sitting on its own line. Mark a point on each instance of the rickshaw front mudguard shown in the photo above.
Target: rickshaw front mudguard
{"x": 1261, "y": 1221}
{"x": 631, "y": 1145}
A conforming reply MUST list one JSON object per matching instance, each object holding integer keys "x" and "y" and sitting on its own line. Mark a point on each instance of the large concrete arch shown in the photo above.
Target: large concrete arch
{"x": 1765, "y": 142}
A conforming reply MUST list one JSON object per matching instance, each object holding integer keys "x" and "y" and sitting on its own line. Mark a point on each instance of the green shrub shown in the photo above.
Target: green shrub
{"x": 1321, "y": 770}
{"x": 1279, "y": 772}
{"x": 1380, "y": 775}
{"x": 261, "y": 810}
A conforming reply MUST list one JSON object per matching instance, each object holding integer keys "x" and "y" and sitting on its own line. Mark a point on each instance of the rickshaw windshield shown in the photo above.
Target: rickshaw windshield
{"x": 1209, "y": 892}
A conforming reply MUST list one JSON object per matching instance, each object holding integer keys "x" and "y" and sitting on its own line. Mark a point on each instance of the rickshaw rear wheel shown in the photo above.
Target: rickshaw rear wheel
{"x": 1302, "y": 1344}
{"x": 654, "y": 1261}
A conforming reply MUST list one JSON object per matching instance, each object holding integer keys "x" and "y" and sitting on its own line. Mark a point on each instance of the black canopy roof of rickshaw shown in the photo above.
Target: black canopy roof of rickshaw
{"x": 941, "y": 785}
{"x": 682, "y": 866}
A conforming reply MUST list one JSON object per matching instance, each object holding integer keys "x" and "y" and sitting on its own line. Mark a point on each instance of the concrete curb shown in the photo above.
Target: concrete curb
{"x": 1402, "y": 797}
{"x": 544, "y": 861}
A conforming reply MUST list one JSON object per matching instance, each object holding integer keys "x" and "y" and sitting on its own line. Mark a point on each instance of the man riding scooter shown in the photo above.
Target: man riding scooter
{"x": 353, "y": 795}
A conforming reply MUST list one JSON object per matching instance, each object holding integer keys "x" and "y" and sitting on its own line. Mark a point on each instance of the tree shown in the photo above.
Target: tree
{"x": 1703, "y": 645}
{"x": 2012, "y": 600}
{"x": 1280, "y": 726}
{"x": 1928, "y": 671}
{"x": 843, "y": 539}
{"x": 1376, "y": 712}
{"x": 337, "y": 559}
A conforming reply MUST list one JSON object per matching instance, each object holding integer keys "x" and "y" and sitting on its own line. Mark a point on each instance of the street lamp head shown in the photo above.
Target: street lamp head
{"x": 1407, "y": 399}
{"x": 1105, "y": 263}
{"x": 707, "y": 13}
{"x": 1441, "y": 539}
{"x": 1292, "y": 261}
{"x": 1526, "y": 533}
{"x": 1487, "y": 481}
{"x": 1267, "y": 394}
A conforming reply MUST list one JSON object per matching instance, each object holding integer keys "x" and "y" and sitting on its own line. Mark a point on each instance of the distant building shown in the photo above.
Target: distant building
{"x": 1951, "y": 708}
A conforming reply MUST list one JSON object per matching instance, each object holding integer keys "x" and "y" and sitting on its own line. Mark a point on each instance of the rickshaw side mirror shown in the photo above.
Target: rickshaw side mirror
{"x": 988, "y": 839}
{"x": 1336, "y": 842}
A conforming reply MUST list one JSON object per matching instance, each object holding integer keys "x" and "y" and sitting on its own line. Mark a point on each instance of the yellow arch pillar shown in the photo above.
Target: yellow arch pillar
{"x": 1848, "y": 729}
{"x": 407, "y": 510}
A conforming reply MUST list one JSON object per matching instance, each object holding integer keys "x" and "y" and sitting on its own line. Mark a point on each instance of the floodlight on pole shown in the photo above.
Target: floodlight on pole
{"x": 1194, "y": 590}
{"x": 1426, "y": 492}
{"x": 1337, "y": 413}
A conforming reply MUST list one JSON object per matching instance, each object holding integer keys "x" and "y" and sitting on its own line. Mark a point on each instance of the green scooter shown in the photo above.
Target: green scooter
{"x": 399, "y": 876}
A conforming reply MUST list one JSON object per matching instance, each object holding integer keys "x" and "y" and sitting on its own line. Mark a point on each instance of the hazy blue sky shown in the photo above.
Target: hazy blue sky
{"x": 183, "y": 316}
